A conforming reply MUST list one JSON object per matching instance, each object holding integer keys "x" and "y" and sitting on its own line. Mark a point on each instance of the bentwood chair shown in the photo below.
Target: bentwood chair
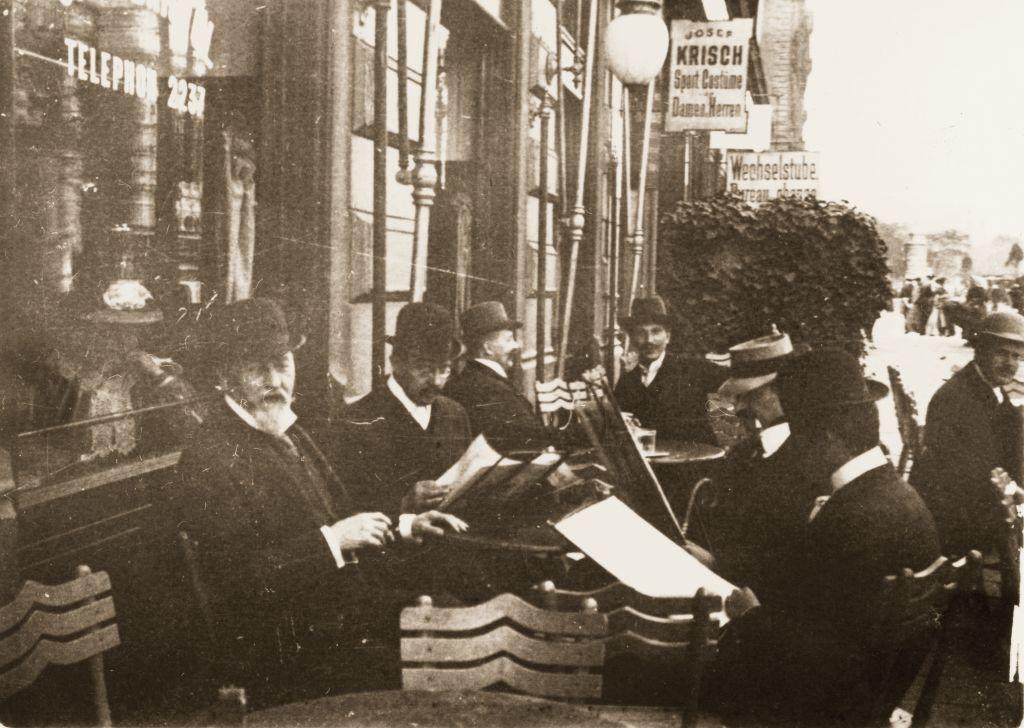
{"x": 503, "y": 641}
{"x": 913, "y": 632}
{"x": 61, "y": 624}
{"x": 656, "y": 648}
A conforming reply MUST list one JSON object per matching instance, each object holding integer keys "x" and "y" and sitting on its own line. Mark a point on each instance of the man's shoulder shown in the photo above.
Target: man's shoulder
{"x": 448, "y": 407}
{"x": 965, "y": 386}
{"x": 220, "y": 439}
{"x": 473, "y": 377}
{"x": 374, "y": 402}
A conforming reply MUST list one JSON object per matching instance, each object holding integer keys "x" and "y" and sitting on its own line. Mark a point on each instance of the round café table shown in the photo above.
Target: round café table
{"x": 674, "y": 453}
{"x": 679, "y": 469}
{"x": 456, "y": 709}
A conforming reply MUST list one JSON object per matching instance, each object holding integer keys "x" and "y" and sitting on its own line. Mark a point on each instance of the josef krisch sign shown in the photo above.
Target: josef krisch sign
{"x": 708, "y": 75}
{"x": 762, "y": 176}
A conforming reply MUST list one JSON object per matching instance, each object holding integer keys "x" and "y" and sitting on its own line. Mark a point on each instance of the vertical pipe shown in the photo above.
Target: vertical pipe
{"x": 424, "y": 177}
{"x": 380, "y": 183}
{"x": 687, "y": 162}
{"x": 8, "y": 175}
{"x": 614, "y": 274}
{"x": 563, "y": 194}
{"x": 542, "y": 238}
{"x": 403, "y": 94}
{"x": 578, "y": 220}
{"x": 638, "y": 225}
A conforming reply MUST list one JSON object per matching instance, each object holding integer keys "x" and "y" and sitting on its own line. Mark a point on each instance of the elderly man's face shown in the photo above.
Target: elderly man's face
{"x": 422, "y": 380}
{"x": 999, "y": 361}
{"x": 650, "y": 341}
{"x": 501, "y": 346}
{"x": 263, "y": 386}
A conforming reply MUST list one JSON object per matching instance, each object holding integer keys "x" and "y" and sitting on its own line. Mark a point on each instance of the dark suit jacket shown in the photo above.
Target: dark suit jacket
{"x": 675, "y": 403}
{"x": 504, "y": 416}
{"x": 807, "y": 658}
{"x": 383, "y": 451}
{"x": 967, "y": 434}
{"x": 759, "y": 521}
{"x": 256, "y": 514}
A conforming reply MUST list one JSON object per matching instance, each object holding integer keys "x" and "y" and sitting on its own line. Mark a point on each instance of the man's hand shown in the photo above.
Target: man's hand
{"x": 424, "y": 495}
{"x": 363, "y": 529}
{"x": 701, "y": 554}
{"x": 435, "y": 523}
{"x": 740, "y": 602}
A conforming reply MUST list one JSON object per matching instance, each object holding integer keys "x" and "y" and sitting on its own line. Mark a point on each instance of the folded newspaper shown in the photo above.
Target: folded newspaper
{"x": 638, "y": 554}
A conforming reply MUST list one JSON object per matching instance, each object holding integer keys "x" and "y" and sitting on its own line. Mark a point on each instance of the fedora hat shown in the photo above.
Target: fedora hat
{"x": 755, "y": 363}
{"x": 252, "y": 329}
{"x": 1005, "y": 326}
{"x": 647, "y": 310}
{"x": 425, "y": 331}
{"x": 825, "y": 380}
{"x": 484, "y": 318}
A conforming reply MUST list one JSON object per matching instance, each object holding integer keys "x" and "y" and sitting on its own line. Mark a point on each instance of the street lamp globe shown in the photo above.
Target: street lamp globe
{"x": 636, "y": 42}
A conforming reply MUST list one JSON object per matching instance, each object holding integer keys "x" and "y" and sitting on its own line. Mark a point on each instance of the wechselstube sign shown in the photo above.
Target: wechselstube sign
{"x": 763, "y": 176}
{"x": 708, "y": 75}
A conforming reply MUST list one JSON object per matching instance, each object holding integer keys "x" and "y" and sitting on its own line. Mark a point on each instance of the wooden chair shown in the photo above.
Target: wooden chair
{"x": 557, "y": 401}
{"x": 911, "y": 432}
{"x": 647, "y": 635}
{"x": 504, "y": 640}
{"x": 914, "y": 633}
{"x": 62, "y": 624}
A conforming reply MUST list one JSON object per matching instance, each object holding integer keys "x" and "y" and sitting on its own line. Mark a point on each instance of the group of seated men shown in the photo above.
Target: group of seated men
{"x": 812, "y": 515}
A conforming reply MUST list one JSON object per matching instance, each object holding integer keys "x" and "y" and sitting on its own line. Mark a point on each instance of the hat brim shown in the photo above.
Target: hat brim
{"x": 631, "y": 322}
{"x": 1009, "y": 338}
{"x": 735, "y": 386}
{"x": 875, "y": 391}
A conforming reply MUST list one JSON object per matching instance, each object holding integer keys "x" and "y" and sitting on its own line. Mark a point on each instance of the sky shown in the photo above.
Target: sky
{"x": 917, "y": 109}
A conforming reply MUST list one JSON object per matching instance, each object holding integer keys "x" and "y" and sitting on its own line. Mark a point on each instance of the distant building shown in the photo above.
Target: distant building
{"x": 784, "y": 37}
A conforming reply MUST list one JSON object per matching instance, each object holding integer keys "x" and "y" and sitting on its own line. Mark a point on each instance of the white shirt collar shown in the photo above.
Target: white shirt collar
{"x": 494, "y": 367}
{"x": 287, "y": 419}
{"x": 774, "y": 437}
{"x": 650, "y": 371}
{"x": 997, "y": 391}
{"x": 857, "y": 466}
{"x": 419, "y": 412}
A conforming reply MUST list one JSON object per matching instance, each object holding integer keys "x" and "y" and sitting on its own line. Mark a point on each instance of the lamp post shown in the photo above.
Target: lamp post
{"x": 636, "y": 44}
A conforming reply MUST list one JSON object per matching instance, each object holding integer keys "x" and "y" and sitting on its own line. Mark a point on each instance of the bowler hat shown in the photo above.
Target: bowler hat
{"x": 484, "y": 318}
{"x": 755, "y": 363}
{"x": 425, "y": 331}
{"x": 1004, "y": 325}
{"x": 647, "y": 310}
{"x": 825, "y": 380}
{"x": 252, "y": 329}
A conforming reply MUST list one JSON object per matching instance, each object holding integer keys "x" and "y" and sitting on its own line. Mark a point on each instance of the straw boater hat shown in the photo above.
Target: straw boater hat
{"x": 756, "y": 363}
{"x": 425, "y": 331}
{"x": 486, "y": 318}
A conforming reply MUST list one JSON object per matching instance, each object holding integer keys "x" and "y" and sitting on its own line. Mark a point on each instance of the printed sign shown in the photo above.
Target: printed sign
{"x": 761, "y": 176}
{"x": 708, "y": 75}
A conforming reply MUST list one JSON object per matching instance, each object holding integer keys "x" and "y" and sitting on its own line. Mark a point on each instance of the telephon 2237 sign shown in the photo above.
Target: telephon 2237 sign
{"x": 708, "y": 75}
{"x": 763, "y": 176}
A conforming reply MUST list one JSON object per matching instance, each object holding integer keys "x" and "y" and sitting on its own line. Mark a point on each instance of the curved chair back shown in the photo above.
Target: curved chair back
{"x": 911, "y": 432}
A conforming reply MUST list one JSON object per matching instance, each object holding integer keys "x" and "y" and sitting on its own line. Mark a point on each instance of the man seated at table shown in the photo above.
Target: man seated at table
{"x": 763, "y": 496}
{"x": 504, "y": 416}
{"x": 277, "y": 531}
{"x": 806, "y": 658}
{"x": 397, "y": 440}
{"x": 665, "y": 392}
{"x": 972, "y": 427}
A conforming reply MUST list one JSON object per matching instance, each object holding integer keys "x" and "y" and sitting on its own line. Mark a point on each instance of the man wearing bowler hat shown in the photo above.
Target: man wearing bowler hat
{"x": 806, "y": 658}
{"x": 763, "y": 497}
{"x": 663, "y": 392}
{"x": 398, "y": 439}
{"x": 277, "y": 530}
{"x": 504, "y": 416}
{"x": 972, "y": 427}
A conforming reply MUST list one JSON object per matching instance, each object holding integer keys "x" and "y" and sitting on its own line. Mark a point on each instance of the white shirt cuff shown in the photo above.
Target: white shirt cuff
{"x": 334, "y": 544}
{"x": 405, "y": 525}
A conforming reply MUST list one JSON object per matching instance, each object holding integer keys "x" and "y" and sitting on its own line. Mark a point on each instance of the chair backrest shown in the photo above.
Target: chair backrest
{"x": 504, "y": 640}
{"x": 911, "y": 433}
{"x": 678, "y": 634}
{"x": 557, "y": 400}
{"x": 912, "y": 607}
{"x": 61, "y": 624}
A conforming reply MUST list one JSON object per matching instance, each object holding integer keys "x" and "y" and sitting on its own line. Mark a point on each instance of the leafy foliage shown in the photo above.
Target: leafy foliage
{"x": 729, "y": 271}
{"x": 896, "y": 236}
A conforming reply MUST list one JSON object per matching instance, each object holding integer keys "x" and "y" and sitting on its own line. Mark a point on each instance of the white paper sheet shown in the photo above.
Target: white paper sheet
{"x": 638, "y": 554}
